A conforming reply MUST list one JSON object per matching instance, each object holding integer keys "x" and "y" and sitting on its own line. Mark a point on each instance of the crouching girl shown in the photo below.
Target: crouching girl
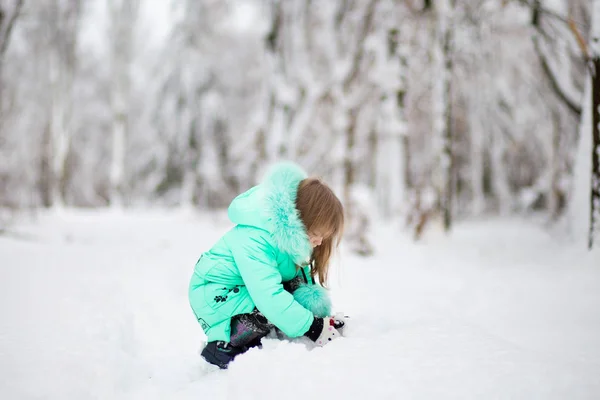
{"x": 262, "y": 273}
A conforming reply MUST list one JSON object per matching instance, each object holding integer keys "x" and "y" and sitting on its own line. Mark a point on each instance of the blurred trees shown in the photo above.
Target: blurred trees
{"x": 416, "y": 111}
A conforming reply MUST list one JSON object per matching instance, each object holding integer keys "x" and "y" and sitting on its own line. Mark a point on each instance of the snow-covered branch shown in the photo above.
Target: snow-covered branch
{"x": 8, "y": 15}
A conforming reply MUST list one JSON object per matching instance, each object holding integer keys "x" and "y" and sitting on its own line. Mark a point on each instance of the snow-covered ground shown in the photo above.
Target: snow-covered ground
{"x": 93, "y": 305}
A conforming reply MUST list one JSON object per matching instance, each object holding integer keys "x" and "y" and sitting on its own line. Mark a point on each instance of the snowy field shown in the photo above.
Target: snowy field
{"x": 93, "y": 305}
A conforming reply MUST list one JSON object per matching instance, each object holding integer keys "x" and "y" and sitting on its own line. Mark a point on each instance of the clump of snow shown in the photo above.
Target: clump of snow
{"x": 94, "y": 305}
{"x": 246, "y": 17}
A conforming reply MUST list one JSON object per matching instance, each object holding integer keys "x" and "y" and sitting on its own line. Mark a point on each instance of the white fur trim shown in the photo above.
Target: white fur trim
{"x": 286, "y": 227}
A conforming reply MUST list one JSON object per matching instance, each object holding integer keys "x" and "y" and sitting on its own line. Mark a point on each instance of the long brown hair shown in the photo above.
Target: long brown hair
{"x": 320, "y": 209}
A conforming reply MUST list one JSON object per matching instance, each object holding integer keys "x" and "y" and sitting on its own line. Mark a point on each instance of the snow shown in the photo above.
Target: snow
{"x": 93, "y": 304}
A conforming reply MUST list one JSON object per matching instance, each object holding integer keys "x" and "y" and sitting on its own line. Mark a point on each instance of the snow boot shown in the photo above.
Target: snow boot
{"x": 220, "y": 353}
{"x": 247, "y": 330}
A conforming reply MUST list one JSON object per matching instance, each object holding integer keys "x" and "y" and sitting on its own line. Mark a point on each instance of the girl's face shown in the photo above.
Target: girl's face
{"x": 316, "y": 237}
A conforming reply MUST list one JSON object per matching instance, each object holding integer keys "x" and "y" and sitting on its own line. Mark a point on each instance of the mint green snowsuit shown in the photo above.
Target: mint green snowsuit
{"x": 246, "y": 267}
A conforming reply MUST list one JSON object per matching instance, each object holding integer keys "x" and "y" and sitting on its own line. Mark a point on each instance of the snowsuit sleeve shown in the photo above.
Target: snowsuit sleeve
{"x": 256, "y": 260}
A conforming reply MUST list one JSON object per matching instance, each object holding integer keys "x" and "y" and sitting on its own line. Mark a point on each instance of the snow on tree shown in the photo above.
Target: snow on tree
{"x": 9, "y": 14}
{"x": 321, "y": 103}
{"x": 562, "y": 64}
{"x": 122, "y": 22}
{"x": 442, "y": 105}
{"x": 205, "y": 110}
{"x": 586, "y": 194}
{"x": 62, "y": 69}
{"x": 388, "y": 140}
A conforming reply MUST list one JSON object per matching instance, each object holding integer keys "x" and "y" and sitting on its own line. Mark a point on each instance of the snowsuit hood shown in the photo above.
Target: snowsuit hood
{"x": 271, "y": 206}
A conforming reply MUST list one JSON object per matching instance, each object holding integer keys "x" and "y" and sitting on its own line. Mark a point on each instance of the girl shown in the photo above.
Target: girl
{"x": 261, "y": 273}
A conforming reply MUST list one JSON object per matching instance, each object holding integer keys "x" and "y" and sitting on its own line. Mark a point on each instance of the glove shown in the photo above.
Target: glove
{"x": 323, "y": 331}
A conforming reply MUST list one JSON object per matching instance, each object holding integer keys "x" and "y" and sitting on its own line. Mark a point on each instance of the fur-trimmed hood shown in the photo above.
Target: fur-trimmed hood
{"x": 271, "y": 206}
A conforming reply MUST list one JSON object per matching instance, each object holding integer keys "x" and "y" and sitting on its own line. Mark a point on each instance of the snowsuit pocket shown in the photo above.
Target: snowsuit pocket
{"x": 215, "y": 304}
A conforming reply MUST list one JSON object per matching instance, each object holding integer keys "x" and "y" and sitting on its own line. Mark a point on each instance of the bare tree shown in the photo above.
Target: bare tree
{"x": 9, "y": 12}
{"x": 389, "y": 139}
{"x": 446, "y": 36}
{"x": 122, "y": 14}
{"x": 594, "y": 64}
{"x": 64, "y": 18}
{"x": 442, "y": 106}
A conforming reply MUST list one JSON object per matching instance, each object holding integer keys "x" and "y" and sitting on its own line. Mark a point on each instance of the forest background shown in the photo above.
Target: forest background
{"x": 419, "y": 112}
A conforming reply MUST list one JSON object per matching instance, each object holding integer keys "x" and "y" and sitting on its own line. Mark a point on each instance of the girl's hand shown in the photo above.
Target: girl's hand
{"x": 323, "y": 330}
{"x": 339, "y": 321}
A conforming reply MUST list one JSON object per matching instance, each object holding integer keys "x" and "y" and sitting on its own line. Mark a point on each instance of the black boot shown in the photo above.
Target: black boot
{"x": 247, "y": 330}
{"x": 221, "y": 353}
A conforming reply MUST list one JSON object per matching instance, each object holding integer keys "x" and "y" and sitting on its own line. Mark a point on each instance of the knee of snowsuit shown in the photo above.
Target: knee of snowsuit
{"x": 215, "y": 304}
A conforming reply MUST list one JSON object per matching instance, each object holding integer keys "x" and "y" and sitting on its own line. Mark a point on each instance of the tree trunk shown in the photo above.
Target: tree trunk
{"x": 442, "y": 99}
{"x": 117, "y": 166}
{"x": 595, "y": 101}
{"x": 8, "y": 17}
{"x": 277, "y": 111}
{"x": 555, "y": 192}
{"x": 190, "y": 156}
{"x": 358, "y": 218}
{"x": 60, "y": 132}
{"x": 564, "y": 90}
{"x": 448, "y": 155}
{"x": 62, "y": 68}
{"x": 122, "y": 14}
{"x": 595, "y": 190}
{"x": 349, "y": 171}
{"x": 477, "y": 161}
{"x": 400, "y": 136}
{"x": 392, "y": 155}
